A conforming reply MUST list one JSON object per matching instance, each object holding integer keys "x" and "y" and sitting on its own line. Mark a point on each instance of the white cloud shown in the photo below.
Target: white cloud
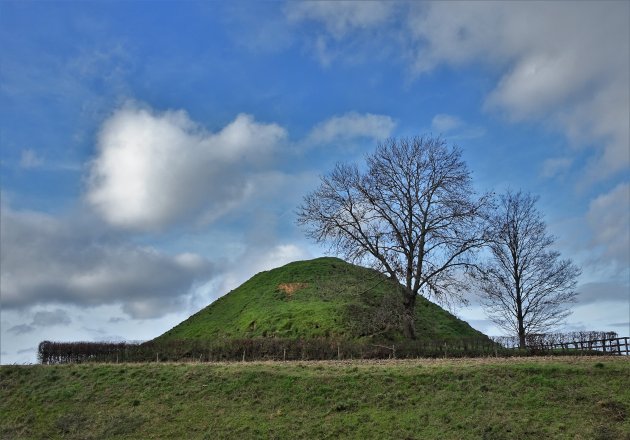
{"x": 555, "y": 166}
{"x": 30, "y": 159}
{"x": 255, "y": 26}
{"x": 345, "y": 20}
{"x": 257, "y": 259}
{"x": 279, "y": 255}
{"x": 154, "y": 169}
{"x": 603, "y": 120}
{"x": 339, "y": 17}
{"x": 609, "y": 219}
{"x": 455, "y": 128}
{"x": 352, "y": 125}
{"x": 444, "y": 123}
{"x": 46, "y": 260}
{"x": 563, "y": 64}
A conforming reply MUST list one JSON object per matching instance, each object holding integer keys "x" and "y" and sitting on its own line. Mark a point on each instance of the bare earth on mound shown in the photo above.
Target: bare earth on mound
{"x": 291, "y": 288}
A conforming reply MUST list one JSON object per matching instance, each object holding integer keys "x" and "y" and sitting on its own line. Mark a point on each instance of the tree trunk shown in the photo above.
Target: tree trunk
{"x": 521, "y": 336}
{"x": 519, "y": 315}
{"x": 409, "y": 315}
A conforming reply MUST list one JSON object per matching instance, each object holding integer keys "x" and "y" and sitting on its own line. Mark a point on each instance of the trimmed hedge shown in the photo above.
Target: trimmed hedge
{"x": 259, "y": 349}
{"x": 306, "y": 349}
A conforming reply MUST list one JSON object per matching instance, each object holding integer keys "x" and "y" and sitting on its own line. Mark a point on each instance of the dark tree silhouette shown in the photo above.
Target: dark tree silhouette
{"x": 525, "y": 286}
{"x": 412, "y": 214}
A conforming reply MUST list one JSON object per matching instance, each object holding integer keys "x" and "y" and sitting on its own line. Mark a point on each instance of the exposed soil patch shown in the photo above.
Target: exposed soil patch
{"x": 291, "y": 288}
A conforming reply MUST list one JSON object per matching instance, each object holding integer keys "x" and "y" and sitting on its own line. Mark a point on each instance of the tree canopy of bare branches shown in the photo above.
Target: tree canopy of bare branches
{"x": 411, "y": 213}
{"x": 526, "y": 288}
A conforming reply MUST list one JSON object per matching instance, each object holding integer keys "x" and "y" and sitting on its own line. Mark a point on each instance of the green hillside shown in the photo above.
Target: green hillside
{"x": 325, "y": 297}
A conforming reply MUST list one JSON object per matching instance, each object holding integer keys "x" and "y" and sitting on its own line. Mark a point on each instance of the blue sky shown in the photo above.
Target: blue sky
{"x": 153, "y": 153}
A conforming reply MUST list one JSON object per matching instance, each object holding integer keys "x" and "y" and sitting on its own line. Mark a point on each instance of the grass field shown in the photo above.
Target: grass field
{"x": 488, "y": 398}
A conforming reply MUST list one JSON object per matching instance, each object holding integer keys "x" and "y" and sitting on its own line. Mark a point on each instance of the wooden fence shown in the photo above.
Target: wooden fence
{"x": 614, "y": 346}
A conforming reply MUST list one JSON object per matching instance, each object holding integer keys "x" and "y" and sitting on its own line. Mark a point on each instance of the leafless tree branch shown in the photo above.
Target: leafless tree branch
{"x": 526, "y": 288}
{"x": 412, "y": 214}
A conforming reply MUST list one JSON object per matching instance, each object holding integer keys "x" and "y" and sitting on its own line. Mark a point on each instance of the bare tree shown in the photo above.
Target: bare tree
{"x": 525, "y": 286}
{"x": 412, "y": 214}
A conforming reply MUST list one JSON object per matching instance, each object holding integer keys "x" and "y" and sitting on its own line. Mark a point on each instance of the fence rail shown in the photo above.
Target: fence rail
{"x": 614, "y": 346}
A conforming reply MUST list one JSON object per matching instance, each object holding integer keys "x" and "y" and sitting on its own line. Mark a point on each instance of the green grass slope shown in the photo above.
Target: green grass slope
{"x": 325, "y": 297}
{"x": 534, "y": 398}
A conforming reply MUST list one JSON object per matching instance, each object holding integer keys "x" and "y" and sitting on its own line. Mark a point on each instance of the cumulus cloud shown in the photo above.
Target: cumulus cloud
{"x": 154, "y": 169}
{"x": 352, "y": 125}
{"x": 46, "y": 260}
{"x": 609, "y": 219}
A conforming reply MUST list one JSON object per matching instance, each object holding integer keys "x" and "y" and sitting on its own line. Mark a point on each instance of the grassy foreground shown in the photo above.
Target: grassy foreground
{"x": 518, "y": 398}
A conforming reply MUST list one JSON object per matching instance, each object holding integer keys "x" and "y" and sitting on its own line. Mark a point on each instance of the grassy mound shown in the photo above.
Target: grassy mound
{"x": 532, "y": 398}
{"x": 325, "y": 297}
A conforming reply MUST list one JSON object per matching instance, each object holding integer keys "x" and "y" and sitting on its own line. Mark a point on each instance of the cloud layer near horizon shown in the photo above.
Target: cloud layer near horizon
{"x": 46, "y": 260}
